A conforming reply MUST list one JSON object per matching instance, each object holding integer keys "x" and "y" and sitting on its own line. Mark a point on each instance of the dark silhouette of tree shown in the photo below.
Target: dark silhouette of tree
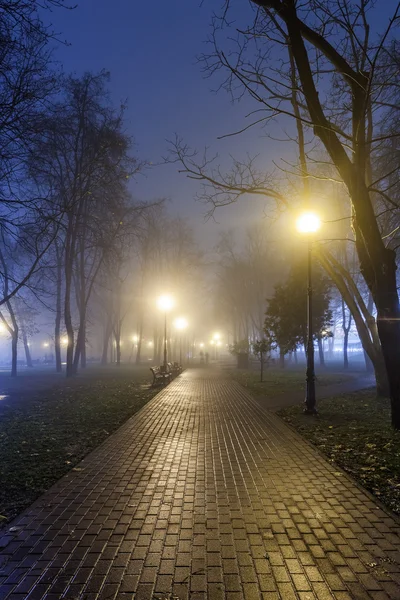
{"x": 286, "y": 315}
{"x": 262, "y": 350}
{"x": 344, "y": 76}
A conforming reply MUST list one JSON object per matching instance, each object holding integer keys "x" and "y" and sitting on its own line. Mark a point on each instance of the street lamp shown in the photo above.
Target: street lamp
{"x": 216, "y": 342}
{"x": 309, "y": 223}
{"x": 165, "y": 303}
{"x": 181, "y": 324}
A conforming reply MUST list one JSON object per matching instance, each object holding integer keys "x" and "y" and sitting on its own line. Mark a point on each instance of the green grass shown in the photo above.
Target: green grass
{"x": 281, "y": 381}
{"x": 44, "y": 434}
{"x": 354, "y": 431}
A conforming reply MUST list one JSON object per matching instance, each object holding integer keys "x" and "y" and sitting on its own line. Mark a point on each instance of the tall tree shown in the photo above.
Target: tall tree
{"x": 286, "y": 315}
{"x": 345, "y": 74}
{"x": 85, "y": 161}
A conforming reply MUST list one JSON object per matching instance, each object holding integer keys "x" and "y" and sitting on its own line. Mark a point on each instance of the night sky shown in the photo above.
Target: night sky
{"x": 150, "y": 49}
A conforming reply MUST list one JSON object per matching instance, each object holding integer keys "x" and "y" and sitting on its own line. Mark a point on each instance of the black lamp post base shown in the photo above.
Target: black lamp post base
{"x": 310, "y": 411}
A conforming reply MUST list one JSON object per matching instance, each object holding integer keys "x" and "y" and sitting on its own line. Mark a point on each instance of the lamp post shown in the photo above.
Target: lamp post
{"x": 181, "y": 324}
{"x": 216, "y": 343}
{"x": 309, "y": 223}
{"x": 165, "y": 303}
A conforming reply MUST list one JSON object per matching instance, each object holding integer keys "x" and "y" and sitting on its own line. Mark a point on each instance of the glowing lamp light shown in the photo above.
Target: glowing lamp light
{"x": 135, "y": 339}
{"x": 46, "y": 345}
{"x": 201, "y": 345}
{"x": 217, "y": 336}
{"x": 2, "y": 328}
{"x": 65, "y": 341}
{"x": 180, "y": 323}
{"x": 165, "y": 302}
{"x": 308, "y": 222}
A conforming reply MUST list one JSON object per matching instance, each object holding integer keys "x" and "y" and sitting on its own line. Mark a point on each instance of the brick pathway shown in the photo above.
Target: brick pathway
{"x": 203, "y": 494}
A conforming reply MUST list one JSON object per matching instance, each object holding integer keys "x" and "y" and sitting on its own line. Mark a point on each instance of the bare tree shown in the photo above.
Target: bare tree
{"x": 85, "y": 162}
{"x": 326, "y": 46}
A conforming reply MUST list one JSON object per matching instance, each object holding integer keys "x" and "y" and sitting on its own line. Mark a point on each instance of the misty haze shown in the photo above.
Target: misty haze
{"x": 199, "y": 300}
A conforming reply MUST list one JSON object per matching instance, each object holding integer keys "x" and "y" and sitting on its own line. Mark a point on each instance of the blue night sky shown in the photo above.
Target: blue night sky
{"x": 150, "y": 49}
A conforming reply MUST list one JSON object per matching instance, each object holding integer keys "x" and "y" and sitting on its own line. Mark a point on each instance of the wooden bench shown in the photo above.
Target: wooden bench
{"x": 175, "y": 368}
{"x": 161, "y": 375}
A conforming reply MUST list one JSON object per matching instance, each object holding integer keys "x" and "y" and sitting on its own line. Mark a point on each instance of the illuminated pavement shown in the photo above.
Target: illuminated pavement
{"x": 203, "y": 494}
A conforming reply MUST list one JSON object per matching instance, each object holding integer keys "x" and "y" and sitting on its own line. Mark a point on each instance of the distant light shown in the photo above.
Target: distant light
{"x": 308, "y": 222}
{"x": 181, "y": 323}
{"x": 150, "y": 344}
{"x": 212, "y": 342}
{"x": 135, "y": 339}
{"x": 217, "y": 336}
{"x": 2, "y": 328}
{"x": 201, "y": 345}
{"x": 165, "y": 302}
{"x": 46, "y": 345}
{"x": 65, "y": 340}
{"x": 218, "y": 343}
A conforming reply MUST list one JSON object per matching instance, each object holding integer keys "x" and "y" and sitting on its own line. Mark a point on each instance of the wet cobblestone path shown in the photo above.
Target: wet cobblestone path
{"x": 203, "y": 494}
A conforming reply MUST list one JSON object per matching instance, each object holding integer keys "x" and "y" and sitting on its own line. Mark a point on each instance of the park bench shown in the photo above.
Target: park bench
{"x": 161, "y": 375}
{"x": 175, "y": 369}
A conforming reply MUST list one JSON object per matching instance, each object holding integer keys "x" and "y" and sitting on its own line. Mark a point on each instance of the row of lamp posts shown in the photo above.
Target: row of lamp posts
{"x": 307, "y": 224}
{"x": 166, "y": 303}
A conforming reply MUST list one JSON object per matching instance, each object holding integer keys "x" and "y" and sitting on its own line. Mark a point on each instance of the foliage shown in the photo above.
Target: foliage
{"x": 240, "y": 347}
{"x": 354, "y": 432}
{"x": 286, "y": 315}
{"x": 262, "y": 349}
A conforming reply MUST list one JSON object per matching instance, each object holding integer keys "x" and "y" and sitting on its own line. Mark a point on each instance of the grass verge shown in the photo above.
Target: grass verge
{"x": 354, "y": 431}
{"x": 43, "y": 435}
{"x": 280, "y": 381}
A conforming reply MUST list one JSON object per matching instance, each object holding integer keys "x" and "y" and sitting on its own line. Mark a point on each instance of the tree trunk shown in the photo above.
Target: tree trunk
{"x": 140, "y": 341}
{"x": 69, "y": 255}
{"x": 25, "y": 341}
{"x": 57, "y": 341}
{"x": 106, "y": 340}
{"x": 346, "y": 331}
{"x": 369, "y": 367}
{"x": 371, "y": 347}
{"x": 281, "y": 359}
{"x": 78, "y": 349}
{"x": 117, "y": 338}
{"x": 57, "y": 323}
{"x": 118, "y": 350}
{"x": 83, "y": 349}
{"x": 27, "y": 350}
{"x": 345, "y": 344}
{"x": 321, "y": 352}
{"x": 382, "y": 384}
{"x": 262, "y": 366}
{"x": 14, "y": 353}
{"x": 389, "y": 333}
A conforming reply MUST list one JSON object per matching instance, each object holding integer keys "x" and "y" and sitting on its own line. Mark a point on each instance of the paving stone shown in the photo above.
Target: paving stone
{"x": 204, "y": 495}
